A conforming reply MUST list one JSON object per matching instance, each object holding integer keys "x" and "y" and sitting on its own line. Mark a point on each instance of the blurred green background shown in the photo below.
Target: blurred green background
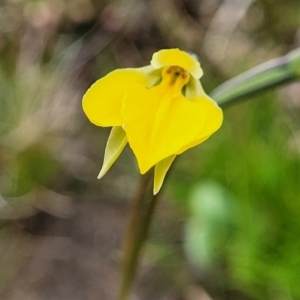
{"x": 228, "y": 224}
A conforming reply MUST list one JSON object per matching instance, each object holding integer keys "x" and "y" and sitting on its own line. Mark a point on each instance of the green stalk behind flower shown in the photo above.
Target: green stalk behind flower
{"x": 270, "y": 74}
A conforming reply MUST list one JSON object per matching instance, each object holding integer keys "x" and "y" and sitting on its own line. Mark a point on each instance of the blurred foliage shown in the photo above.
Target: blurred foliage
{"x": 210, "y": 225}
{"x": 236, "y": 196}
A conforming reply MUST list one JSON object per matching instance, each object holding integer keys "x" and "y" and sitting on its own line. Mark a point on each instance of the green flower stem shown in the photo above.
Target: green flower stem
{"x": 138, "y": 227}
{"x": 265, "y": 76}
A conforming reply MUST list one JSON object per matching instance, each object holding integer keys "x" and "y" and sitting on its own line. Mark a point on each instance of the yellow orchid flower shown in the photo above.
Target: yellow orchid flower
{"x": 161, "y": 110}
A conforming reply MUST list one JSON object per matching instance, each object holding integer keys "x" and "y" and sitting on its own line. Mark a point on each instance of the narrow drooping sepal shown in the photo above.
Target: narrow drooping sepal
{"x": 116, "y": 142}
{"x": 161, "y": 169}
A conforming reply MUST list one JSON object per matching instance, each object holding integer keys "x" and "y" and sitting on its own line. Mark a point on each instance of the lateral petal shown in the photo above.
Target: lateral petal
{"x": 195, "y": 93}
{"x": 213, "y": 122}
{"x": 102, "y": 101}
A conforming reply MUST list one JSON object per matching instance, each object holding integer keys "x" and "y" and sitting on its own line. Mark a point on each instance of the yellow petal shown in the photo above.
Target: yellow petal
{"x": 213, "y": 123}
{"x": 102, "y": 101}
{"x": 159, "y": 124}
{"x": 160, "y": 172}
{"x": 193, "y": 144}
{"x": 115, "y": 144}
{"x": 176, "y": 57}
{"x": 195, "y": 93}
